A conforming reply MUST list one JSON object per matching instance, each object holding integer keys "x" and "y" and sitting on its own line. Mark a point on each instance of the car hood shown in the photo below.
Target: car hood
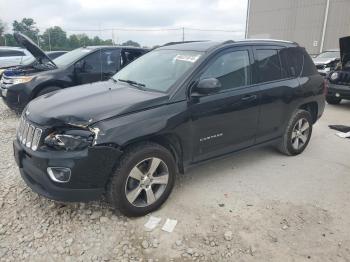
{"x": 36, "y": 51}
{"x": 344, "y": 44}
{"x": 323, "y": 61}
{"x": 87, "y": 104}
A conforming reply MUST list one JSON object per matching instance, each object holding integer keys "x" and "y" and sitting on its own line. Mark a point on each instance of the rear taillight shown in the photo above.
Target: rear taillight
{"x": 325, "y": 86}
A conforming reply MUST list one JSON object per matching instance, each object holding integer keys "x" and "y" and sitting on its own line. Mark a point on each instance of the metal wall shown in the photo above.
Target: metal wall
{"x": 302, "y": 21}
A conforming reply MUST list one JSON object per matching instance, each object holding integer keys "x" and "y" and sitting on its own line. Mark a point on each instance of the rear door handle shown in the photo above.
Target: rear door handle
{"x": 249, "y": 98}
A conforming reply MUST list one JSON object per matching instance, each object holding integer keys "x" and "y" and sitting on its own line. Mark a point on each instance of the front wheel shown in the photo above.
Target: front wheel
{"x": 333, "y": 100}
{"x": 297, "y": 134}
{"x": 143, "y": 179}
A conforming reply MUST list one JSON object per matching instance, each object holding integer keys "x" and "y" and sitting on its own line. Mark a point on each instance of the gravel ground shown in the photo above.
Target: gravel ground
{"x": 254, "y": 206}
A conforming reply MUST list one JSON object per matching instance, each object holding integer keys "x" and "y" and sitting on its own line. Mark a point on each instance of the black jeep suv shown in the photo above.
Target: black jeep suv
{"x": 176, "y": 106}
{"x": 339, "y": 79}
{"x": 21, "y": 84}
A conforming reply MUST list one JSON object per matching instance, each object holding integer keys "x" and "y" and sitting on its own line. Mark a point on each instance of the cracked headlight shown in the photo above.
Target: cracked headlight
{"x": 69, "y": 140}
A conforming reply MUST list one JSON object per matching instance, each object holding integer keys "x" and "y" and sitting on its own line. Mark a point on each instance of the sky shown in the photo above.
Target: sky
{"x": 130, "y": 18}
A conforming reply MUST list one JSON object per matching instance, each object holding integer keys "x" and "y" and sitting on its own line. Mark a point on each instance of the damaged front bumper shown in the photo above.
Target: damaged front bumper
{"x": 90, "y": 171}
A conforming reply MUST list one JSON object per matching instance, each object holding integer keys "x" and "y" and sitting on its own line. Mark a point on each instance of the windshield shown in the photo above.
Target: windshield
{"x": 160, "y": 69}
{"x": 71, "y": 57}
{"x": 332, "y": 54}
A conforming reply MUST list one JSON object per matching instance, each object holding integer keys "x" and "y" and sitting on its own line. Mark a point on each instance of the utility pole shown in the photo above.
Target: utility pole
{"x": 48, "y": 31}
{"x": 5, "y": 40}
{"x": 183, "y": 34}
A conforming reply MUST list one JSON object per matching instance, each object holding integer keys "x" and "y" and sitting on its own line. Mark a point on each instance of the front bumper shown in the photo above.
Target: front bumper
{"x": 90, "y": 171}
{"x": 15, "y": 97}
{"x": 341, "y": 91}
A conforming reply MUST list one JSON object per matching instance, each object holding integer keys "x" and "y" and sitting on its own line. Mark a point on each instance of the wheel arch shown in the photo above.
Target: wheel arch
{"x": 169, "y": 141}
{"x": 43, "y": 85}
{"x": 312, "y": 108}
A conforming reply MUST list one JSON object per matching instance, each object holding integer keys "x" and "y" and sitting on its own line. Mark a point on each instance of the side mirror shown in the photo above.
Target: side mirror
{"x": 207, "y": 86}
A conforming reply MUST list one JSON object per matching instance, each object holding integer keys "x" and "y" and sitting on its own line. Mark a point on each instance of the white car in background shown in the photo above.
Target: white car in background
{"x": 11, "y": 56}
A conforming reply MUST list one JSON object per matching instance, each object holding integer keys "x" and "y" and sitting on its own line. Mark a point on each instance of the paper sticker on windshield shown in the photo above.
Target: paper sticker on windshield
{"x": 187, "y": 58}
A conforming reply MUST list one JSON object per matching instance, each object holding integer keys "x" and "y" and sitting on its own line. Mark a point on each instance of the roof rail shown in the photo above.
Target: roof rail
{"x": 183, "y": 42}
{"x": 227, "y": 42}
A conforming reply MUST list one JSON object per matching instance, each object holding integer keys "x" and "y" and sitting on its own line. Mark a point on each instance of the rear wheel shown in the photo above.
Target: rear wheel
{"x": 333, "y": 100}
{"x": 297, "y": 134}
{"x": 143, "y": 179}
{"x": 47, "y": 90}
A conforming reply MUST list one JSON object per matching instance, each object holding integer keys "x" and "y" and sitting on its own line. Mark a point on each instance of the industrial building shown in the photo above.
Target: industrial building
{"x": 314, "y": 24}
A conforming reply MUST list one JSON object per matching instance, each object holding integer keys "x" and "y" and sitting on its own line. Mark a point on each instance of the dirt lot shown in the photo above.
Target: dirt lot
{"x": 254, "y": 206}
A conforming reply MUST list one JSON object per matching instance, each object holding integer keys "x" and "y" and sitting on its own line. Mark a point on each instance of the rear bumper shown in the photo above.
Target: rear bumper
{"x": 90, "y": 171}
{"x": 341, "y": 91}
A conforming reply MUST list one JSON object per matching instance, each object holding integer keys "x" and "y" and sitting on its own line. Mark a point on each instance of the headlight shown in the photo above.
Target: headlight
{"x": 334, "y": 76}
{"x": 69, "y": 139}
{"x": 21, "y": 79}
{"x": 2, "y": 70}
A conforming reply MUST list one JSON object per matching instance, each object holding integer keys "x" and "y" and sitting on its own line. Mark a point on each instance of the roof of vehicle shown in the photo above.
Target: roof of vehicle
{"x": 113, "y": 46}
{"x": 208, "y": 45}
{"x": 12, "y": 48}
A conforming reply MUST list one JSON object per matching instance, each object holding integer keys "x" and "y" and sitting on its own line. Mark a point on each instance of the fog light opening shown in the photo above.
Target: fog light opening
{"x": 59, "y": 174}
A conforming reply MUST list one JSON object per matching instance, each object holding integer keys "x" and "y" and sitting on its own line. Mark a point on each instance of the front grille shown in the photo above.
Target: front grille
{"x": 28, "y": 134}
{"x": 6, "y": 82}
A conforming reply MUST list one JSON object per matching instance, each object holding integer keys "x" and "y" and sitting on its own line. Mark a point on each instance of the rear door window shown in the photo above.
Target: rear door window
{"x": 110, "y": 60}
{"x": 268, "y": 65}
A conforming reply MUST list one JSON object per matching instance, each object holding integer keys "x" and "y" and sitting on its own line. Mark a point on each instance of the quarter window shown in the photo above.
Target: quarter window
{"x": 231, "y": 69}
{"x": 268, "y": 65}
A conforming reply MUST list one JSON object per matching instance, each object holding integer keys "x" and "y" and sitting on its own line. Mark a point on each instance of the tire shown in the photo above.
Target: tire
{"x": 333, "y": 100}
{"x": 299, "y": 120}
{"x": 47, "y": 90}
{"x": 126, "y": 179}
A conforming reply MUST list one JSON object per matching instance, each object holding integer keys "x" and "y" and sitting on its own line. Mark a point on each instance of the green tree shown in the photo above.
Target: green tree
{"x": 54, "y": 38}
{"x": 10, "y": 40}
{"x": 107, "y": 42}
{"x": 131, "y": 43}
{"x": 2, "y": 31}
{"x": 27, "y": 27}
{"x": 73, "y": 42}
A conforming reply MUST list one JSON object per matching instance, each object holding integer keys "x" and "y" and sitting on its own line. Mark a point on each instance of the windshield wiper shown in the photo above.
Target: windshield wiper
{"x": 131, "y": 82}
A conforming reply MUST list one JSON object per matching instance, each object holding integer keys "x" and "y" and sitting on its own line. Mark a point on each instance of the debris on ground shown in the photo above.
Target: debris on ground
{"x": 152, "y": 223}
{"x": 169, "y": 225}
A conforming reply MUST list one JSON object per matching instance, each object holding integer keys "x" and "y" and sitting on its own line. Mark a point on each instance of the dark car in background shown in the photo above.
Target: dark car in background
{"x": 327, "y": 61}
{"x": 89, "y": 64}
{"x": 174, "y": 107}
{"x": 339, "y": 79}
{"x": 27, "y": 60}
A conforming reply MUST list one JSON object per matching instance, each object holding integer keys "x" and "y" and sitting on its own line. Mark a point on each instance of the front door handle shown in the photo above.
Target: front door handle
{"x": 249, "y": 98}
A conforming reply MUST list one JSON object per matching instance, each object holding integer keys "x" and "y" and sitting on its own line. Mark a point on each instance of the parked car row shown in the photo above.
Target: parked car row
{"x": 13, "y": 56}
{"x": 21, "y": 84}
{"x": 174, "y": 107}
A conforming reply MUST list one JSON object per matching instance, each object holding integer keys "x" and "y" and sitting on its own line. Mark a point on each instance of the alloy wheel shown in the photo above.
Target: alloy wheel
{"x": 146, "y": 182}
{"x": 300, "y": 133}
